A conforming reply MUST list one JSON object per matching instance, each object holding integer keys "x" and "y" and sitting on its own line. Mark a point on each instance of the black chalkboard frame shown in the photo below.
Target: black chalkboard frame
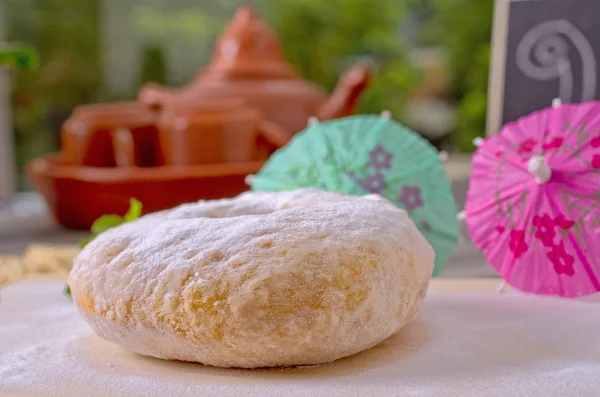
{"x": 554, "y": 49}
{"x": 497, "y": 66}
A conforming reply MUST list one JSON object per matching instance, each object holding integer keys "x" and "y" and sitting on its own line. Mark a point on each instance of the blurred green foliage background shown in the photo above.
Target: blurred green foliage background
{"x": 463, "y": 29}
{"x": 321, "y": 38}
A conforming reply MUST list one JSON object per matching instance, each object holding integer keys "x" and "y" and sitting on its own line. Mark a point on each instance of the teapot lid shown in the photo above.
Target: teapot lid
{"x": 248, "y": 48}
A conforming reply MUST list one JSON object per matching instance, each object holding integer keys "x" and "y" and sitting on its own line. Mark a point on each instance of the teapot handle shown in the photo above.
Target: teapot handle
{"x": 123, "y": 147}
{"x": 274, "y": 134}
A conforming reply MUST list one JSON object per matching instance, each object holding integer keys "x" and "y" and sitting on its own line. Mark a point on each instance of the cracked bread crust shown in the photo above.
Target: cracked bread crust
{"x": 261, "y": 280}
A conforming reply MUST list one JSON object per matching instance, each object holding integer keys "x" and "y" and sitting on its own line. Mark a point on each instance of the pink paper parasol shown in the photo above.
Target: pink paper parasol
{"x": 533, "y": 205}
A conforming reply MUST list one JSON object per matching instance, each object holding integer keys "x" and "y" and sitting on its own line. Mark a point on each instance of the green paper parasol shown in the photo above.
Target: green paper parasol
{"x": 371, "y": 154}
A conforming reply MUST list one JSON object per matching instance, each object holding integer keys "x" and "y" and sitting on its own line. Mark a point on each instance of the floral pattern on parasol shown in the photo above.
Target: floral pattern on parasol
{"x": 371, "y": 154}
{"x": 533, "y": 204}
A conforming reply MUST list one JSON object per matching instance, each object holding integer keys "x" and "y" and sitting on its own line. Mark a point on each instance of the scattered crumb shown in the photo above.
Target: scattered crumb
{"x": 11, "y": 268}
{"x": 37, "y": 259}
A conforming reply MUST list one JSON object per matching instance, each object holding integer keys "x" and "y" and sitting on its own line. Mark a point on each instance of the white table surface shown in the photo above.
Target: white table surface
{"x": 467, "y": 341}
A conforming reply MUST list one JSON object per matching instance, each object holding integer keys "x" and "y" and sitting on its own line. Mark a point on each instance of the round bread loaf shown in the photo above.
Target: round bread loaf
{"x": 261, "y": 280}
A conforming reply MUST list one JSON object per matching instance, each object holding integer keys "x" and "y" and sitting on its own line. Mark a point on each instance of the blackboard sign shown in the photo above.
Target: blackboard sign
{"x": 541, "y": 50}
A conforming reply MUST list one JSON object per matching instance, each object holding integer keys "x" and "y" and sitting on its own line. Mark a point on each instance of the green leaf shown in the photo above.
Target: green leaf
{"x": 134, "y": 212}
{"x": 67, "y": 290}
{"x": 19, "y": 55}
{"x": 106, "y": 222}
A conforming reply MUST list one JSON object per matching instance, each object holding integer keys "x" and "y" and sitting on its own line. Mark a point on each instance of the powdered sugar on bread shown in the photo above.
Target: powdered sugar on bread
{"x": 264, "y": 279}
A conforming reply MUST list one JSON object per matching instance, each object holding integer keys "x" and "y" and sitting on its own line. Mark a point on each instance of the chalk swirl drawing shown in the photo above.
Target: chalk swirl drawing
{"x": 543, "y": 55}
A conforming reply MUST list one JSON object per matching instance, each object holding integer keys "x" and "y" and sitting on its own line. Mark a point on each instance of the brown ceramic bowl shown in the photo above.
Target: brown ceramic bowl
{"x": 78, "y": 195}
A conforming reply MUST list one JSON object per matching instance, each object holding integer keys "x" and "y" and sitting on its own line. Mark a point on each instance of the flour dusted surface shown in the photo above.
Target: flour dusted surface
{"x": 265, "y": 279}
{"x": 467, "y": 341}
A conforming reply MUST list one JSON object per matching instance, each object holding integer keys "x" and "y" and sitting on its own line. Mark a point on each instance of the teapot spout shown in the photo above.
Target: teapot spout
{"x": 344, "y": 98}
{"x": 156, "y": 96}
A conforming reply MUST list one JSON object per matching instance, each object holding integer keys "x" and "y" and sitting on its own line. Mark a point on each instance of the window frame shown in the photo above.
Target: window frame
{"x": 7, "y": 157}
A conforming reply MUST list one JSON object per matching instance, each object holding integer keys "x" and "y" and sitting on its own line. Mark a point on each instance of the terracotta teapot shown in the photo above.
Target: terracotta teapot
{"x": 247, "y": 63}
{"x": 108, "y": 135}
{"x": 215, "y": 132}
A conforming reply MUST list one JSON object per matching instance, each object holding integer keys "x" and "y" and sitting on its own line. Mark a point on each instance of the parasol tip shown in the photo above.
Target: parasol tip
{"x": 538, "y": 166}
{"x": 444, "y": 156}
{"x": 249, "y": 179}
{"x": 312, "y": 120}
{"x": 478, "y": 141}
{"x": 501, "y": 287}
{"x": 461, "y": 216}
{"x": 386, "y": 114}
{"x": 556, "y": 102}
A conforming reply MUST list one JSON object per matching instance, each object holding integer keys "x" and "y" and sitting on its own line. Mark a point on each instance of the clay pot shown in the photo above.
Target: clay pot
{"x": 195, "y": 143}
{"x": 114, "y": 152}
{"x": 109, "y": 135}
{"x": 213, "y": 132}
{"x": 248, "y": 64}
